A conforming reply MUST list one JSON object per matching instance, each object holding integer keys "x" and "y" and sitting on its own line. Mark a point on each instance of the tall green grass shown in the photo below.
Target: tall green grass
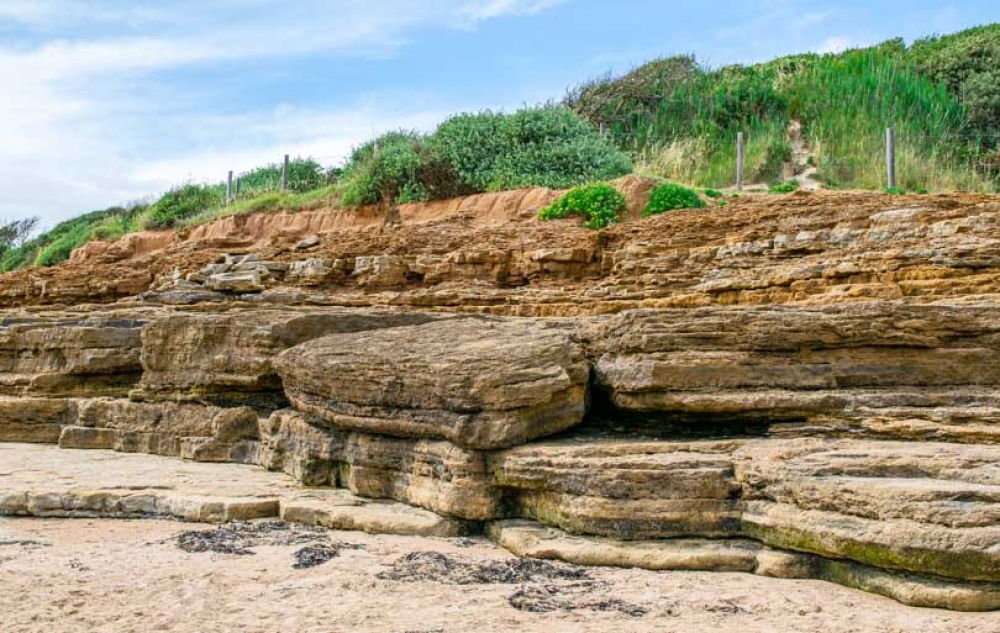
{"x": 680, "y": 120}
{"x": 879, "y": 90}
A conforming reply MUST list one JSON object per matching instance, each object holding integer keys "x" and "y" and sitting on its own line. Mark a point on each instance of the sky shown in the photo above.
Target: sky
{"x": 109, "y": 101}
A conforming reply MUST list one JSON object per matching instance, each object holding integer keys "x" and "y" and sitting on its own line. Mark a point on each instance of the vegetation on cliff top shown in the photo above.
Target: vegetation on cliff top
{"x": 673, "y": 117}
{"x": 942, "y": 94}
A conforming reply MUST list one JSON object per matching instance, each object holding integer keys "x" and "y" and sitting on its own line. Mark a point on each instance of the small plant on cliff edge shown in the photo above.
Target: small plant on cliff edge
{"x": 669, "y": 196}
{"x": 599, "y": 203}
{"x": 785, "y": 187}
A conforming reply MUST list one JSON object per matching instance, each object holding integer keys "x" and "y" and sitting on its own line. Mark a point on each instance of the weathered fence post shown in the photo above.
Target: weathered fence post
{"x": 739, "y": 161}
{"x": 284, "y": 175}
{"x": 890, "y": 157}
{"x": 239, "y": 181}
{"x": 229, "y": 188}
{"x": 603, "y": 128}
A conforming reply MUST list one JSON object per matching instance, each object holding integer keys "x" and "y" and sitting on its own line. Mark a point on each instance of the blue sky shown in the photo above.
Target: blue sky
{"x": 113, "y": 100}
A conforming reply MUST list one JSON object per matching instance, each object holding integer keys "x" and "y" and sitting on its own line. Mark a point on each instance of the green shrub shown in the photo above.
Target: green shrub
{"x": 548, "y": 147}
{"x": 183, "y": 202}
{"x": 600, "y": 203}
{"x": 490, "y": 151}
{"x": 406, "y": 168}
{"x": 304, "y": 174}
{"x": 669, "y": 196}
{"x": 895, "y": 191}
{"x": 713, "y": 193}
{"x": 784, "y": 187}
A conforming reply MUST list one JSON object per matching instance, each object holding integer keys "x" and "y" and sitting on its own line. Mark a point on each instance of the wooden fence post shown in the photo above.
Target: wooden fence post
{"x": 890, "y": 157}
{"x": 229, "y": 188}
{"x": 739, "y": 161}
{"x": 239, "y": 180}
{"x": 284, "y": 175}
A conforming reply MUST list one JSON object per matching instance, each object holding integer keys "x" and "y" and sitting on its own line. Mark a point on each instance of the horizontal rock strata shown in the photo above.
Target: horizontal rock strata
{"x": 529, "y": 539}
{"x": 432, "y": 474}
{"x": 807, "y": 390}
{"x": 874, "y": 369}
{"x": 191, "y": 431}
{"x": 928, "y": 508}
{"x": 626, "y": 489}
{"x": 226, "y": 357}
{"x": 67, "y": 357}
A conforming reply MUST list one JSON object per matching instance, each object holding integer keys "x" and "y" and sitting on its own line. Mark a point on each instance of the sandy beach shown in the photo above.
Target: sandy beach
{"x": 75, "y": 576}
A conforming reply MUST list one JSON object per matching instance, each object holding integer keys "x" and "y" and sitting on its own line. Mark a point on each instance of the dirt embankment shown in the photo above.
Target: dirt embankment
{"x": 490, "y": 253}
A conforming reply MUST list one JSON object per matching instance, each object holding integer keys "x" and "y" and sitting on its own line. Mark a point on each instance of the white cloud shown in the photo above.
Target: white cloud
{"x": 326, "y": 136}
{"x": 86, "y": 122}
{"x": 835, "y": 44}
{"x": 479, "y": 10}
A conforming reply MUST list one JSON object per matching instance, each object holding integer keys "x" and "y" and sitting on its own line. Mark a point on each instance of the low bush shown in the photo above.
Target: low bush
{"x": 404, "y": 168}
{"x": 548, "y": 147}
{"x": 181, "y": 203}
{"x": 489, "y": 151}
{"x": 600, "y": 203}
{"x": 670, "y": 196}
{"x": 304, "y": 174}
{"x": 785, "y": 187}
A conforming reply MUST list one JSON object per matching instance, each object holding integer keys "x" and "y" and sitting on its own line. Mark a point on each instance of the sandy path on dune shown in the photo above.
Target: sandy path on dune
{"x": 59, "y": 575}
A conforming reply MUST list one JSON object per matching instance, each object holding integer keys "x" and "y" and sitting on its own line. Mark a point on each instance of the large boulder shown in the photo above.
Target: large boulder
{"x": 481, "y": 384}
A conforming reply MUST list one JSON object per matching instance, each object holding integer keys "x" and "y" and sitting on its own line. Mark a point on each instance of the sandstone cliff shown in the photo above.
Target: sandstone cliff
{"x": 805, "y": 386}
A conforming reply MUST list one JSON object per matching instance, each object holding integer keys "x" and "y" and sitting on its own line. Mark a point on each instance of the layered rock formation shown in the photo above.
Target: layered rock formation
{"x": 806, "y": 391}
{"x": 479, "y": 384}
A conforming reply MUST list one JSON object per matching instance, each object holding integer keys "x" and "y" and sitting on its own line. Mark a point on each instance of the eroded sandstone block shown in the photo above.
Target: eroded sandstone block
{"x": 191, "y": 431}
{"x": 432, "y": 474}
{"x": 877, "y": 369}
{"x": 529, "y": 539}
{"x": 37, "y": 420}
{"x": 225, "y": 357}
{"x": 481, "y": 384}
{"x": 929, "y": 508}
{"x": 68, "y": 357}
{"x": 626, "y": 489}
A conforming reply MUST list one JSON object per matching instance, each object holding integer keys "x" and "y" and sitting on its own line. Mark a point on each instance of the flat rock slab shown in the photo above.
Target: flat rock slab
{"x": 45, "y": 481}
{"x": 927, "y": 508}
{"x": 625, "y": 488}
{"x": 481, "y": 384}
{"x": 530, "y": 539}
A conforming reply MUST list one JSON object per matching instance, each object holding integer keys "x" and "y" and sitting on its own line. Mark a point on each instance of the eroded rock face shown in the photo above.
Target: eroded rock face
{"x": 878, "y": 369}
{"x": 66, "y": 357}
{"x": 628, "y": 489}
{"x": 845, "y": 318}
{"x": 432, "y": 474}
{"x": 191, "y": 431}
{"x": 477, "y": 383}
{"x": 36, "y": 420}
{"x": 226, "y": 357}
{"x": 929, "y": 508}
